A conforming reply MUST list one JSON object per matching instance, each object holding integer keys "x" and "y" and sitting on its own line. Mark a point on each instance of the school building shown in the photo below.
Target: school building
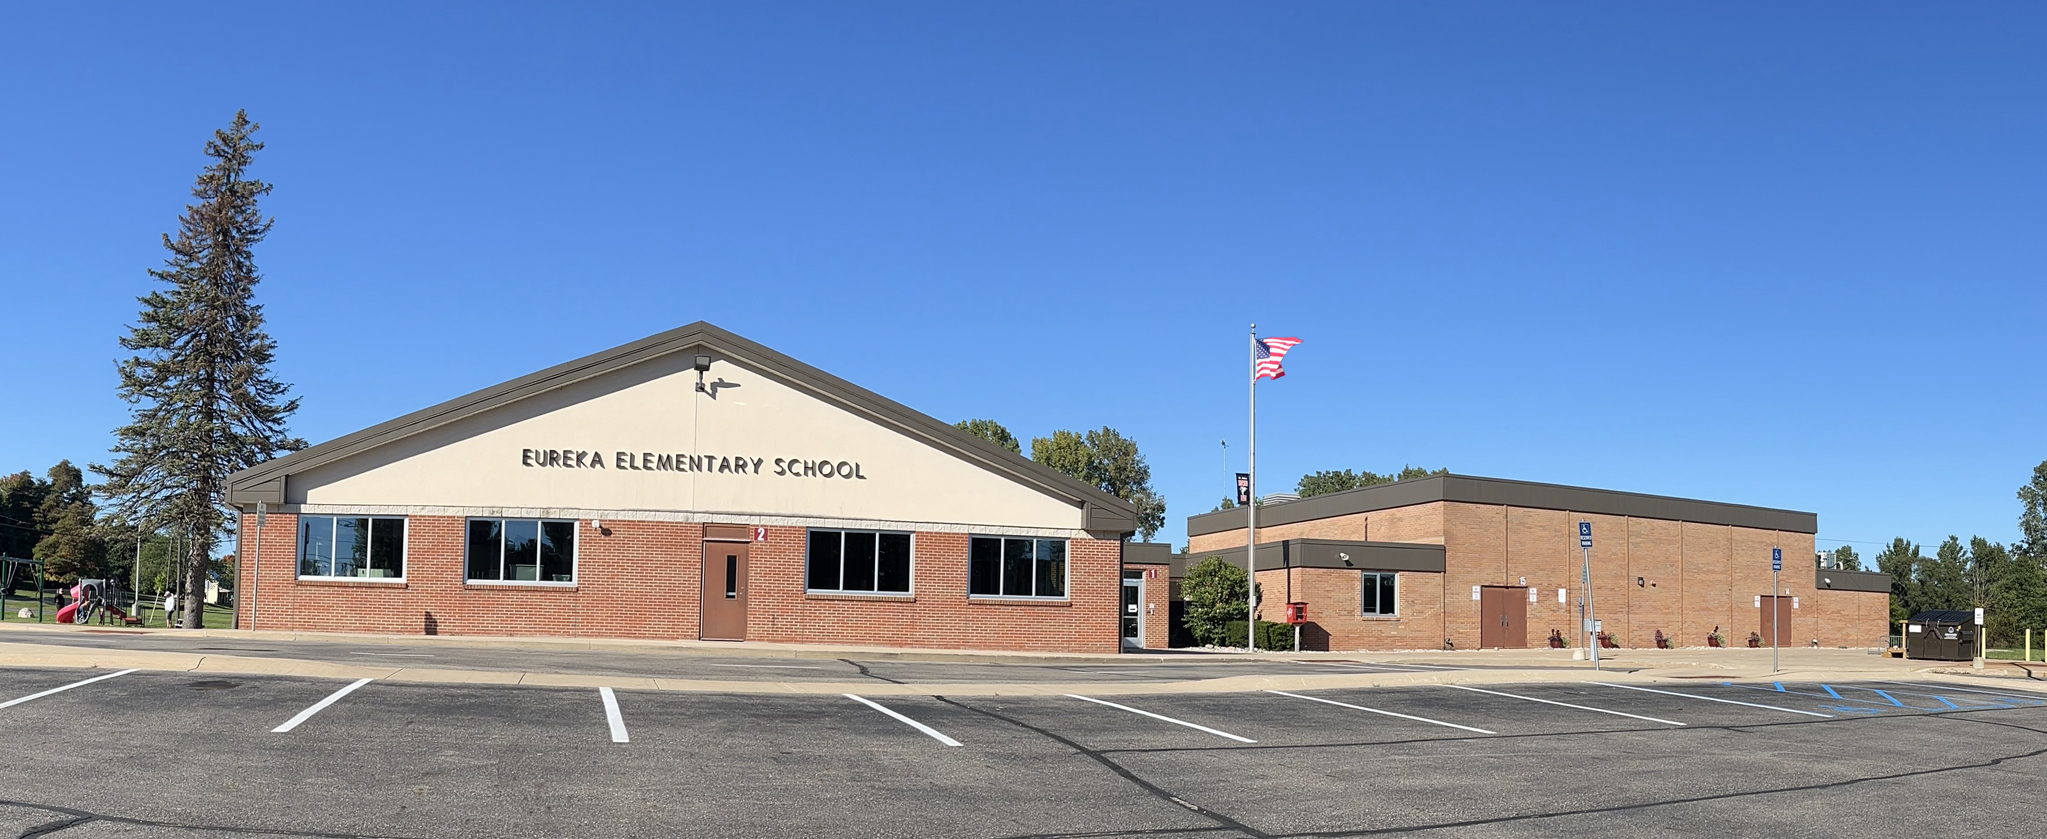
{"x": 1462, "y": 562}
{"x": 692, "y": 485}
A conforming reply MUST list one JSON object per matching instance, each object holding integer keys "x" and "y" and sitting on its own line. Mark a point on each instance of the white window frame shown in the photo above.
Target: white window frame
{"x": 575, "y": 553}
{"x": 812, "y": 534}
{"x": 1065, "y": 585}
{"x": 1374, "y": 575}
{"x": 298, "y": 537}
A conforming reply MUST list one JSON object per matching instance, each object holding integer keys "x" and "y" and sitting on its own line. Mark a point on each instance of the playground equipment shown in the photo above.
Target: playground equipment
{"x": 11, "y": 570}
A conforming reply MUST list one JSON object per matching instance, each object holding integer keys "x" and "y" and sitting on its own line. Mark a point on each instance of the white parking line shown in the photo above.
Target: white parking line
{"x": 770, "y": 666}
{"x": 1377, "y": 711}
{"x": 319, "y": 706}
{"x": 1716, "y": 699}
{"x": 1162, "y": 718}
{"x": 612, "y": 716}
{"x": 13, "y": 702}
{"x": 399, "y": 655}
{"x": 935, "y": 735}
{"x": 1565, "y": 704}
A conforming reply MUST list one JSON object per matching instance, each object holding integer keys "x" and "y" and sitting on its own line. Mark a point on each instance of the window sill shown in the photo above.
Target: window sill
{"x": 987, "y": 600}
{"x": 517, "y": 584}
{"x": 353, "y": 582}
{"x": 905, "y": 597}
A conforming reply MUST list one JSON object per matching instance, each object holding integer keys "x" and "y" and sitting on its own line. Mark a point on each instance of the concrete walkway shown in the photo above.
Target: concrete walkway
{"x": 128, "y": 649}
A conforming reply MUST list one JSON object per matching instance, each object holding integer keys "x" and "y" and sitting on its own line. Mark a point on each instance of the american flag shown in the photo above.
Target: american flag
{"x": 1268, "y": 352}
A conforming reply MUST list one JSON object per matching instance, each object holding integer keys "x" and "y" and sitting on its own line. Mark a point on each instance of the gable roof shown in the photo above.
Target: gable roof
{"x": 1499, "y": 491}
{"x": 1102, "y": 511}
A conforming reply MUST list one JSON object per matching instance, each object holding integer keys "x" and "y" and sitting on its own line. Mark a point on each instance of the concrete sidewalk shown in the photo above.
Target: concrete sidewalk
{"x": 1501, "y": 666}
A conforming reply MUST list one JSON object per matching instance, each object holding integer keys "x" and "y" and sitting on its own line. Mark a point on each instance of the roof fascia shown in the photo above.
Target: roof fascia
{"x": 1101, "y": 511}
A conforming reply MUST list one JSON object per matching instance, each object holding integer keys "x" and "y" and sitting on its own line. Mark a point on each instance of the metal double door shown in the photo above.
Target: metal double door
{"x": 1502, "y": 617}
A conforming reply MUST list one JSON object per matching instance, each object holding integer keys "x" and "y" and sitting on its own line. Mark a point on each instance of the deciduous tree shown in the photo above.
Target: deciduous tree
{"x": 991, "y": 431}
{"x": 204, "y": 403}
{"x": 1110, "y": 462}
{"x": 1339, "y": 480}
{"x": 1214, "y": 590}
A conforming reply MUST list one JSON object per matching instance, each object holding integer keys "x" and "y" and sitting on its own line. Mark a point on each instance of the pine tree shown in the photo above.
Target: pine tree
{"x": 204, "y": 404}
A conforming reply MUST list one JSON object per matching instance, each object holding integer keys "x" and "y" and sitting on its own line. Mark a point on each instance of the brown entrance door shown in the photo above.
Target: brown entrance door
{"x": 724, "y": 591}
{"x": 1784, "y": 613}
{"x": 1503, "y": 617}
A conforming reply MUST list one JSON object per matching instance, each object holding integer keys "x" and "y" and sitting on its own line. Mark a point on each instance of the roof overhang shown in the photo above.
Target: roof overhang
{"x": 1498, "y": 491}
{"x": 1101, "y": 512}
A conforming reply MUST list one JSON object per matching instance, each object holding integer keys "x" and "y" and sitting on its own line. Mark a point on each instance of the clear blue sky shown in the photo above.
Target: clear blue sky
{"x": 1776, "y": 254}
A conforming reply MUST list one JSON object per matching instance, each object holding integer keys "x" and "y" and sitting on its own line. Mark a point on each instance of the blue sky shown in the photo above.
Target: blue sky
{"x": 1775, "y": 254}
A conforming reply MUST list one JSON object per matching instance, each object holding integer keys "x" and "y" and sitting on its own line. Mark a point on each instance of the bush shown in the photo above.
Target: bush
{"x": 1278, "y": 637}
{"x": 1214, "y": 591}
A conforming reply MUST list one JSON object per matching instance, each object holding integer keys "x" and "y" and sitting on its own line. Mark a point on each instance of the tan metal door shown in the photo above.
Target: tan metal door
{"x": 724, "y": 591}
{"x": 1784, "y": 613}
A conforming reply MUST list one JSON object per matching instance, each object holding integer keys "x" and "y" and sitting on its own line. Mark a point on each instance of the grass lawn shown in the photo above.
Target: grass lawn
{"x": 217, "y": 617}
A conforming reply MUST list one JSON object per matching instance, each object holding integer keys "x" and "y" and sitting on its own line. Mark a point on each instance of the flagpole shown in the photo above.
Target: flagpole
{"x": 1251, "y": 510}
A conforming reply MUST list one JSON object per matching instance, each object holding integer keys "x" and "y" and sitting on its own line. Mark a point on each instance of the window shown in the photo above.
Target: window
{"x": 1378, "y": 594}
{"x": 860, "y": 562}
{"x": 522, "y": 550}
{"x": 351, "y": 546}
{"x": 1016, "y": 567}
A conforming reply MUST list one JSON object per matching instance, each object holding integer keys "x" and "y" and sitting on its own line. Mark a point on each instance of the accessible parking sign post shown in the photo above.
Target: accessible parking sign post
{"x": 1776, "y": 565}
{"x": 1591, "y": 625}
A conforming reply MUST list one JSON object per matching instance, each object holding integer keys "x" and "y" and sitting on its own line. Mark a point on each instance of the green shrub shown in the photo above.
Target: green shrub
{"x": 1214, "y": 591}
{"x": 1278, "y": 637}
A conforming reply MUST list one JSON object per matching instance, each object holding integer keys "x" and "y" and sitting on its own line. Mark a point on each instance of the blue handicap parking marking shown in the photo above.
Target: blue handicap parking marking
{"x": 1778, "y": 687}
{"x": 1862, "y": 699}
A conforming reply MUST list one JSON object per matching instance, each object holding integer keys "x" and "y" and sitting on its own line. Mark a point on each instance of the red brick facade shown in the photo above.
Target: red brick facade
{"x": 641, "y": 579}
{"x": 1683, "y": 578}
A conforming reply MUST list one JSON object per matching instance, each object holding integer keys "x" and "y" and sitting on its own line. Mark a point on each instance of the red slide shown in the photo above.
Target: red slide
{"x": 65, "y": 614}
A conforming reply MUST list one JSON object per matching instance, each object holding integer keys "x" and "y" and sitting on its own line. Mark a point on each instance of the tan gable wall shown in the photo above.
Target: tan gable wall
{"x": 653, "y": 409}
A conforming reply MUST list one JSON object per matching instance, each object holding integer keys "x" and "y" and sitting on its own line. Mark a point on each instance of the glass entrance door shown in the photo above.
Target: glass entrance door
{"x": 1133, "y": 609}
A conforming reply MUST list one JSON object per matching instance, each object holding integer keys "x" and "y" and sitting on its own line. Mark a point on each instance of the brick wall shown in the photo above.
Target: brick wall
{"x": 1693, "y": 577}
{"x": 640, "y": 579}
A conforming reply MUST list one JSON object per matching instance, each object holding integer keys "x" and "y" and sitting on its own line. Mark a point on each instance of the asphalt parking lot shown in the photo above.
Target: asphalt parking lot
{"x": 100, "y": 758}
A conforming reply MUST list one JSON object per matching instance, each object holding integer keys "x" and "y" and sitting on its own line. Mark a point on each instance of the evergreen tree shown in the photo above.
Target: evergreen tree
{"x": 1900, "y": 561}
{"x": 991, "y": 431}
{"x": 1944, "y": 581}
{"x": 204, "y": 404}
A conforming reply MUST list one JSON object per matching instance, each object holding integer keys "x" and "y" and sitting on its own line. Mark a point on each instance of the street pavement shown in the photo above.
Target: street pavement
{"x": 174, "y": 736}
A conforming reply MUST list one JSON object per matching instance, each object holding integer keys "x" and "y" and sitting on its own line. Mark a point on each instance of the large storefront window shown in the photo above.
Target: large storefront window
{"x": 1007, "y": 567}
{"x": 351, "y": 547}
{"x": 522, "y": 550}
{"x": 859, "y": 562}
{"x": 1378, "y": 594}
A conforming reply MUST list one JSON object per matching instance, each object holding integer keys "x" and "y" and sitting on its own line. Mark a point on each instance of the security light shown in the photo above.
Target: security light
{"x": 703, "y": 364}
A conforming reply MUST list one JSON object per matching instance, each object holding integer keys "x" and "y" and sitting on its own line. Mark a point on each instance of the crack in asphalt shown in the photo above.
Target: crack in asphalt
{"x": 868, "y": 673}
{"x": 84, "y": 817}
{"x": 1226, "y": 823}
{"x": 1222, "y": 822}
